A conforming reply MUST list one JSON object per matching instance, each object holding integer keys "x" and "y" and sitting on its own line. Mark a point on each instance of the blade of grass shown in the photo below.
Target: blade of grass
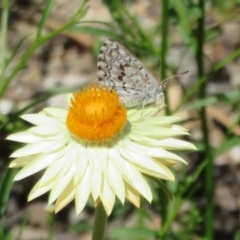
{"x": 78, "y": 15}
{"x": 184, "y": 24}
{"x": 226, "y": 145}
{"x": 144, "y": 39}
{"x": 223, "y": 97}
{"x": 227, "y": 59}
{"x": 15, "y": 50}
{"x": 116, "y": 9}
{"x": 45, "y": 15}
{"x": 96, "y": 31}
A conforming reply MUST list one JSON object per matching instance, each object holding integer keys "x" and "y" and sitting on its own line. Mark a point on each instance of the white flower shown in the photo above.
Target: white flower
{"x": 97, "y": 150}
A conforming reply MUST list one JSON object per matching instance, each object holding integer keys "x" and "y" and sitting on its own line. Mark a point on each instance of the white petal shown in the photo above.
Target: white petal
{"x": 22, "y": 161}
{"x": 168, "y": 175}
{"x": 60, "y": 184}
{"x": 40, "y": 147}
{"x": 163, "y": 154}
{"x": 56, "y": 112}
{"x": 69, "y": 160}
{"x": 135, "y": 115}
{"x": 24, "y": 137}
{"x": 107, "y": 197}
{"x": 179, "y": 128}
{"x": 39, "y": 190}
{"x": 53, "y": 171}
{"x": 65, "y": 198}
{"x": 150, "y": 152}
{"x": 139, "y": 183}
{"x": 39, "y": 119}
{"x": 147, "y": 113}
{"x": 81, "y": 165}
{"x": 103, "y": 155}
{"x": 46, "y": 130}
{"x": 167, "y": 144}
{"x": 148, "y": 164}
{"x": 39, "y": 163}
{"x": 115, "y": 181}
{"x": 132, "y": 146}
{"x": 95, "y": 173}
{"x": 63, "y": 135}
{"x": 82, "y": 192}
{"x": 159, "y": 121}
{"x": 56, "y": 146}
{"x": 156, "y": 132}
{"x": 30, "y": 149}
{"x": 132, "y": 195}
{"x": 119, "y": 163}
{"x": 176, "y": 144}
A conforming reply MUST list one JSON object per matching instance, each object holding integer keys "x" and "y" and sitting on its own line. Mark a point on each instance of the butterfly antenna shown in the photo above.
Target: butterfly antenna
{"x": 165, "y": 81}
{"x": 160, "y": 67}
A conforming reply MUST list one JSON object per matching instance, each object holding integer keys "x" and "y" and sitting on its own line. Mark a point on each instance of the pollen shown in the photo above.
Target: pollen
{"x": 96, "y": 114}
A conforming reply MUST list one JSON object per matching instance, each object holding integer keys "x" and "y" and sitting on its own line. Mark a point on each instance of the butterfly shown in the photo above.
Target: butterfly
{"x": 118, "y": 69}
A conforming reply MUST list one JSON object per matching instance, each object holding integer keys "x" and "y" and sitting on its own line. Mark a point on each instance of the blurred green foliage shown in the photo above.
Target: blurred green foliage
{"x": 126, "y": 28}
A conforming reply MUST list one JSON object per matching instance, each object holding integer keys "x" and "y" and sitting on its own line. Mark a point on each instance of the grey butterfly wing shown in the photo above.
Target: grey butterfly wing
{"x": 120, "y": 70}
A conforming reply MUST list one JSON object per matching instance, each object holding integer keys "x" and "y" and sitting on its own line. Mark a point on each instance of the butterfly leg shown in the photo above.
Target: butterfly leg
{"x": 160, "y": 97}
{"x": 143, "y": 105}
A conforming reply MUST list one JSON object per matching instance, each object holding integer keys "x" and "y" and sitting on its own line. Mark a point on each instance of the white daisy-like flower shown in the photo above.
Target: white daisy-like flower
{"x": 97, "y": 149}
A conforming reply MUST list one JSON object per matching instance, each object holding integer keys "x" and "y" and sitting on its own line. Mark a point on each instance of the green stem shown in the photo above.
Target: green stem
{"x": 202, "y": 94}
{"x": 164, "y": 202}
{"x": 4, "y": 25}
{"x": 164, "y": 47}
{"x": 172, "y": 215}
{"x": 6, "y": 183}
{"x": 100, "y": 223}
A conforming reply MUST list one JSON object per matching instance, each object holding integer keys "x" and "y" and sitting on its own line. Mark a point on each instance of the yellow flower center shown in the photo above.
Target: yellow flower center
{"x": 96, "y": 114}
